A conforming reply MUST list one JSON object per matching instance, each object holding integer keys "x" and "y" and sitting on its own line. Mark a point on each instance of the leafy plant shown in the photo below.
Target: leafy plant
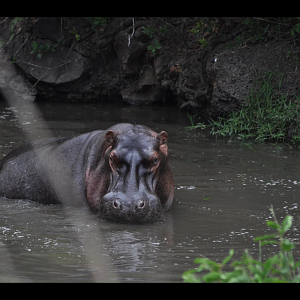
{"x": 150, "y": 31}
{"x": 193, "y": 125}
{"x": 279, "y": 268}
{"x": 97, "y": 22}
{"x": 163, "y": 30}
{"x": 206, "y": 25}
{"x": 40, "y": 49}
{"x": 203, "y": 42}
{"x": 267, "y": 115}
{"x": 154, "y": 47}
{"x": 203, "y": 29}
{"x": 75, "y": 33}
{"x": 14, "y": 23}
{"x": 15, "y": 27}
{"x": 154, "y": 33}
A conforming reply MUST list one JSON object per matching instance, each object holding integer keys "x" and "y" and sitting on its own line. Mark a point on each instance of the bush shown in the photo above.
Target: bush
{"x": 279, "y": 268}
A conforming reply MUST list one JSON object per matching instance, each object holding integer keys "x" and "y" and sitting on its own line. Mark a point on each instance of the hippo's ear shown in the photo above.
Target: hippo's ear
{"x": 110, "y": 137}
{"x": 163, "y": 137}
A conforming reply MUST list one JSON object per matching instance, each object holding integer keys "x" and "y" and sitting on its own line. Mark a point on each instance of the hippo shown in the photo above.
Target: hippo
{"x": 121, "y": 173}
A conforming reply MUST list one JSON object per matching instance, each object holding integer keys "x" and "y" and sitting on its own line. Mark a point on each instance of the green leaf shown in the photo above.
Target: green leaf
{"x": 228, "y": 258}
{"x": 34, "y": 46}
{"x": 11, "y": 37}
{"x": 212, "y": 277}
{"x": 190, "y": 277}
{"x": 206, "y": 264}
{"x": 14, "y": 22}
{"x": 264, "y": 237}
{"x": 269, "y": 242}
{"x": 268, "y": 265}
{"x": 287, "y": 245}
{"x": 273, "y": 225}
{"x": 296, "y": 265}
{"x": 287, "y": 223}
{"x": 150, "y": 47}
{"x": 47, "y": 47}
{"x": 296, "y": 279}
{"x": 158, "y": 45}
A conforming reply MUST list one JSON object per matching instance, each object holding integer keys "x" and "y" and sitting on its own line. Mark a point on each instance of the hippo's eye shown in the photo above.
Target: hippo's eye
{"x": 113, "y": 159}
{"x": 115, "y": 163}
{"x": 155, "y": 160}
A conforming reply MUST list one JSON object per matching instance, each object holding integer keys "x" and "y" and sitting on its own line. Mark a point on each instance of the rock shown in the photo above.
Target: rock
{"x": 146, "y": 91}
{"x": 12, "y": 84}
{"x": 130, "y": 51}
{"x": 61, "y": 66}
{"x": 144, "y": 88}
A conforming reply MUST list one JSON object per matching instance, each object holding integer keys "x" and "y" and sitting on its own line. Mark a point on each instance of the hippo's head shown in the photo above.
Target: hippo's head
{"x": 136, "y": 182}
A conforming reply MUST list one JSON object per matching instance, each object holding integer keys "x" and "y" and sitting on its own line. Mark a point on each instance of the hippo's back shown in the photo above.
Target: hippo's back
{"x": 46, "y": 171}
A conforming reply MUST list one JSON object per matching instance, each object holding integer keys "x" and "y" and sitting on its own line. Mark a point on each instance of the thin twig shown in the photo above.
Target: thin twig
{"x": 33, "y": 65}
{"x": 262, "y": 19}
{"x": 40, "y": 78}
{"x": 48, "y": 70}
{"x": 4, "y": 20}
{"x": 293, "y": 40}
{"x": 21, "y": 47}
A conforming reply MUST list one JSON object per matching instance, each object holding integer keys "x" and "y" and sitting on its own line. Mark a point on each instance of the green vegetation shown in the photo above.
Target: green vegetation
{"x": 97, "y": 22}
{"x": 280, "y": 268}
{"x": 267, "y": 115}
{"x": 155, "y": 34}
{"x": 17, "y": 24}
{"x": 255, "y": 29}
{"x": 154, "y": 47}
{"x": 203, "y": 29}
{"x": 40, "y": 49}
{"x": 15, "y": 27}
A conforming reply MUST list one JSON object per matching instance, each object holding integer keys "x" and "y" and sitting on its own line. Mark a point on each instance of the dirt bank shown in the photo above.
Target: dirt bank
{"x": 206, "y": 65}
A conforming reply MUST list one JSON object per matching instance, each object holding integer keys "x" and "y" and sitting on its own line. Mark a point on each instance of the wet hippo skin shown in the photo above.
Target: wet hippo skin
{"x": 122, "y": 173}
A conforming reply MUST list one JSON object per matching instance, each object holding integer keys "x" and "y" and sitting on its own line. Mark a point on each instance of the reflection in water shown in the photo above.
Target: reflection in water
{"x": 222, "y": 195}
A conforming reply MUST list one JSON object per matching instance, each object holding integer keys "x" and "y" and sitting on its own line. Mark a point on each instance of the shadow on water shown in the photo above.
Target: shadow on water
{"x": 222, "y": 195}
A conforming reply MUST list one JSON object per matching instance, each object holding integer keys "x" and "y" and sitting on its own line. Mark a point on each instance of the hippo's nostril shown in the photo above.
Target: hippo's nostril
{"x": 141, "y": 203}
{"x": 117, "y": 204}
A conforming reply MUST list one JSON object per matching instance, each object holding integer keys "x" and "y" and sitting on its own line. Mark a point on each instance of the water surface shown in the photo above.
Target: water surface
{"x": 223, "y": 191}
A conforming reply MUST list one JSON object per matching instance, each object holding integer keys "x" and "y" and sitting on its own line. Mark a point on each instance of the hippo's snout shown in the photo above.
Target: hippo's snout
{"x": 139, "y": 209}
{"x": 139, "y": 204}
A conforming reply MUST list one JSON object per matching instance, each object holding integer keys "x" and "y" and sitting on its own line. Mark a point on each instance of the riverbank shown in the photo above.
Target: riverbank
{"x": 268, "y": 115}
{"x": 205, "y": 65}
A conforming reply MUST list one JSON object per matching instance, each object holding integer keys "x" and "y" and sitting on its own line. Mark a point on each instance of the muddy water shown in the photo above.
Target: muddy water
{"x": 222, "y": 195}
